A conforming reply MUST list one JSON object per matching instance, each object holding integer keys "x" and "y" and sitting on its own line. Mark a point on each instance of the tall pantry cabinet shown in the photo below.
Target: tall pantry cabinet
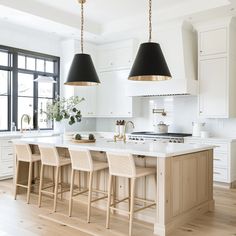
{"x": 217, "y": 68}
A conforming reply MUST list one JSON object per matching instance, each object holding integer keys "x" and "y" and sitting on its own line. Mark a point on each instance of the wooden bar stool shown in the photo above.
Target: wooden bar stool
{"x": 81, "y": 160}
{"x": 123, "y": 165}
{"x": 50, "y": 157}
{"x": 24, "y": 154}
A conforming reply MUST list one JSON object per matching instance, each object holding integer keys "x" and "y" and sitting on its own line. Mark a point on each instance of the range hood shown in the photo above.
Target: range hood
{"x": 179, "y": 44}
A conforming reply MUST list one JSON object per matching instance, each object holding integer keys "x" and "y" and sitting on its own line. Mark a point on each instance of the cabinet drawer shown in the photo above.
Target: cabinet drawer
{"x": 6, "y": 143}
{"x": 220, "y": 174}
{"x": 220, "y": 147}
{"x": 7, "y": 154}
{"x": 6, "y": 168}
{"x": 220, "y": 159}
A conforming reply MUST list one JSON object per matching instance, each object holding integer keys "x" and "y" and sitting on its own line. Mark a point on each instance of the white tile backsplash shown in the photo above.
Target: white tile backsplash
{"x": 181, "y": 112}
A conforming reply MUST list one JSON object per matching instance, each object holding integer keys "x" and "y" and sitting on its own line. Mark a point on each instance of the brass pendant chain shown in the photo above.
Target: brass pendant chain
{"x": 82, "y": 27}
{"x": 150, "y": 20}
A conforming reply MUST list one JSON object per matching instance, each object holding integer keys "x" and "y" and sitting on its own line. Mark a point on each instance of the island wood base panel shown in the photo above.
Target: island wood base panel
{"x": 184, "y": 188}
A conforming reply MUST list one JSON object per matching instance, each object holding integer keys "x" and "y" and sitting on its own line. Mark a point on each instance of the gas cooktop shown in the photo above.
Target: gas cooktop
{"x": 146, "y": 133}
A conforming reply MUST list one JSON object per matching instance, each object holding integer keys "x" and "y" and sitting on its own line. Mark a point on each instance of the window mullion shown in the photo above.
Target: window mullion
{"x": 15, "y": 90}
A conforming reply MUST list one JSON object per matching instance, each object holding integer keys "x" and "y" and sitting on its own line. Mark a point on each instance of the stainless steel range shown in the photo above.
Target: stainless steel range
{"x": 151, "y": 136}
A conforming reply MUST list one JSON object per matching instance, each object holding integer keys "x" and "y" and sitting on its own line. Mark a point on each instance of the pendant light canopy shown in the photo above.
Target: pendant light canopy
{"x": 150, "y": 63}
{"x": 82, "y": 71}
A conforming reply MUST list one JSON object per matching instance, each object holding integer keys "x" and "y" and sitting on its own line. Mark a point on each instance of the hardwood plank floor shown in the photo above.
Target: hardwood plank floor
{"x": 18, "y": 219}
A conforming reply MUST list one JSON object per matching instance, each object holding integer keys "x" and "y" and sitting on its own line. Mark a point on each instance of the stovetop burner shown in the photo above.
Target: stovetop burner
{"x": 146, "y": 133}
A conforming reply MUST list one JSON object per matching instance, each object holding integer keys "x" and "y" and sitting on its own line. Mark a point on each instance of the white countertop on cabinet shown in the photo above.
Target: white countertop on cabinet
{"x": 18, "y": 134}
{"x": 212, "y": 139}
{"x": 155, "y": 149}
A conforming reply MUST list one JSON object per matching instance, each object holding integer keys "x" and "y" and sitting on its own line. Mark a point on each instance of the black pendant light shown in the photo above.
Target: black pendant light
{"x": 150, "y": 64}
{"x": 82, "y": 71}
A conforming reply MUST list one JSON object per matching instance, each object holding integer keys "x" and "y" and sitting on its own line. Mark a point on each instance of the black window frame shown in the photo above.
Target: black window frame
{"x": 13, "y": 82}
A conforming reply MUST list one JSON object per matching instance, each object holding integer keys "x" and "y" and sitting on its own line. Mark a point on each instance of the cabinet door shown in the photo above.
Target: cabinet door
{"x": 213, "y": 82}
{"x": 118, "y": 58}
{"x": 213, "y": 42}
{"x": 88, "y": 106}
{"x": 111, "y": 98}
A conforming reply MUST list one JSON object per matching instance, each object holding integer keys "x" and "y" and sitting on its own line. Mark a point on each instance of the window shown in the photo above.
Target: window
{"x": 20, "y": 94}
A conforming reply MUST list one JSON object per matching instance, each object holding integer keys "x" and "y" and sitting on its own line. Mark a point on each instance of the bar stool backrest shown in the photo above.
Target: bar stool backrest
{"x": 121, "y": 164}
{"x": 81, "y": 159}
{"x": 23, "y": 152}
{"x": 49, "y": 155}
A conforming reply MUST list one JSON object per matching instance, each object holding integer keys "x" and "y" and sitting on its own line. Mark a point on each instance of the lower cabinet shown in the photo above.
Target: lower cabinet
{"x": 6, "y": 159}
{"x": 224, "y": 158}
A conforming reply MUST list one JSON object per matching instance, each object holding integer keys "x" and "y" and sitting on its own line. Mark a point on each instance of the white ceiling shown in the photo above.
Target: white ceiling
{"x": 104, "y": 11}
{"x": 106, "y": 20}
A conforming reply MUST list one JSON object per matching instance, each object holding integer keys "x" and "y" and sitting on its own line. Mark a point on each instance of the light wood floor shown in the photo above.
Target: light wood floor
{"x": 19, "y": 219}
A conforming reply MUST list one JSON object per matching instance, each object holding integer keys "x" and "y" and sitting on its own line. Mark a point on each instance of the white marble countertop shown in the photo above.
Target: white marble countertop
{"x": 155, "y": 149}
{"x": 216, "y": 139}
{"x": 5, "y": 135}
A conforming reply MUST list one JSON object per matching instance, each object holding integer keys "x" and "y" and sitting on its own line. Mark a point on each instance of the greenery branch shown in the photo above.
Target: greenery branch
{"x": 64, "y": 109}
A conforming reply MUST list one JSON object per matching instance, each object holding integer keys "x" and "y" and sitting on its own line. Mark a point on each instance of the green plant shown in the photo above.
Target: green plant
{"x": 64, "y": 109}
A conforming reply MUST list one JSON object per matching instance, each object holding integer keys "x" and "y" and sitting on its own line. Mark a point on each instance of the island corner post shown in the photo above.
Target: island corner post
{"x": 184, "y": 190}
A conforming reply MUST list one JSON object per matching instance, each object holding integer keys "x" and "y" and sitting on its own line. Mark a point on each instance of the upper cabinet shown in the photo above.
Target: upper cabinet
{"x": 116, "y": 58}
{"x": 216, "y": 67}
{"x": 213, "y": 41}
{"x": 112, "y": 63}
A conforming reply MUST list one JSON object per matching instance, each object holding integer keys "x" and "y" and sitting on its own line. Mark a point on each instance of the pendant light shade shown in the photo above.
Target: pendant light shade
{"x": 82, "y": 71}
{"x": 150, "y": 63}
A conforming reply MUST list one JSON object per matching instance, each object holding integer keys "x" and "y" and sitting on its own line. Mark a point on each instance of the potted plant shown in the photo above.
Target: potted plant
{"x": 62, "y": 109}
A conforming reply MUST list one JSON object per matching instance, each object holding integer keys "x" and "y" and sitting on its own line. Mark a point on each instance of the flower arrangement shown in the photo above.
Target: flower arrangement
{"x": 64, "y": 109}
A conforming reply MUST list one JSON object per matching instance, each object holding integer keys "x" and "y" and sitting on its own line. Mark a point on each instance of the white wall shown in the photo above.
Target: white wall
{"x": 19, "y": 37}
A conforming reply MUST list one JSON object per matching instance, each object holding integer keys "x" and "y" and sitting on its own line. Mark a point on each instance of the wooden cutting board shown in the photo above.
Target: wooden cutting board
{"x": 84, "y": 141}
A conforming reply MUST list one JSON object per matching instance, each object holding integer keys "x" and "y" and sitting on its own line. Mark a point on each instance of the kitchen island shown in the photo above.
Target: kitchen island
{"x": 184, "y": 176}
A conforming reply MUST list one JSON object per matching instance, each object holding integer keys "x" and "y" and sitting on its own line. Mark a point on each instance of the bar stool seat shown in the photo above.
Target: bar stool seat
{"x": 123, "y": 165}
{"x": 24, "y": 154}
{"x": 81, "y": 160}
{"x": 98, "y": 165}
{"x": 36, "y": 157}
{"x": 50, "y": 157}
{"x": 141, "y": 172}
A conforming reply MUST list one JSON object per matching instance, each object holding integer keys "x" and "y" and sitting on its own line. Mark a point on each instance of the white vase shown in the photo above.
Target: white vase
{"x": 60, "y": 126}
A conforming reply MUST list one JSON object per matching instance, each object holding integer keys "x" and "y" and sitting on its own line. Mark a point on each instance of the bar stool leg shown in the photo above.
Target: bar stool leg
{"x": 109, "y": 201}
{"x": 61, "y": 176}
{"x": 133, "y": 180}
{"x": 114, "y": 179}
{"x": 90, "y": 195}
{"x": 40, "y": 185}
{"x": 56, "y": 189}
{"x": 29, "y": 181}
{"x": 71, "y": 191}
{"x": 129, "y": 185}
{"x": 16, "y": 178}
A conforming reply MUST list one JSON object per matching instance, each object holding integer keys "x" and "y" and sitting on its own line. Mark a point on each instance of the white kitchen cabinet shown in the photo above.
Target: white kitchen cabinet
{"x": 88, "y": 106}
{"x": 213, "y": 87}
{"x": 6, "y": 159}
{"x": 216, "y": 67}
{"x": 224, "y": 158}
{"x": 213, "y": 41}
{"x": 115, "y": 56}
{"x": 111, "y": 96}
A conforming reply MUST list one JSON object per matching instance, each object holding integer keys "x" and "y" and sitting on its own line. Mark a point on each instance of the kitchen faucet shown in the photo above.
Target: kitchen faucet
{"x": 21, "y": 121}
{"x": 126, "y": 124}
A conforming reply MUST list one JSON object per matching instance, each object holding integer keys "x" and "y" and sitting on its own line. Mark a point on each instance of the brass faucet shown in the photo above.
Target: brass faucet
{"x": 126, "y": 124}
{"x": 123, "y": 135}
{"x": 21, "y": 121}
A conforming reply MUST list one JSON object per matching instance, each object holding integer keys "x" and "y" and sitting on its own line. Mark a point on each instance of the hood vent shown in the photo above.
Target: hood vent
{"x": 179, "y": 43}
